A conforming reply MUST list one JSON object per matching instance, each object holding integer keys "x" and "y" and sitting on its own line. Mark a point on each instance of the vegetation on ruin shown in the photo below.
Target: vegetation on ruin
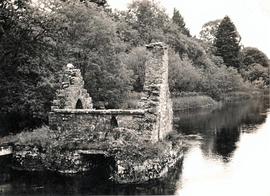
{"x": 126, "y": 143}
{"x": 37, "y": 41}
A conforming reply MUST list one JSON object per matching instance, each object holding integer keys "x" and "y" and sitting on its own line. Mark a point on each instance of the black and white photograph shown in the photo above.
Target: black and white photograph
{"x": 134, "y": 97}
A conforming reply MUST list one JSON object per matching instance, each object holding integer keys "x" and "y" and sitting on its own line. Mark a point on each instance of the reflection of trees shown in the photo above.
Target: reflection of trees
{"x": 4, "y": 169}
{"x": 220, "y": 128}
{"x": 225, "y": 142}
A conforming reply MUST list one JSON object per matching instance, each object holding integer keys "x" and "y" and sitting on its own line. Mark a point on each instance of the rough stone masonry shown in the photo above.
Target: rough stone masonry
{"x": 72, "y": 110}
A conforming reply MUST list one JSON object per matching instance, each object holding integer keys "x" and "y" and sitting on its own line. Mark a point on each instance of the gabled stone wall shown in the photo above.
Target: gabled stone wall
{"x": 72, "y": 92}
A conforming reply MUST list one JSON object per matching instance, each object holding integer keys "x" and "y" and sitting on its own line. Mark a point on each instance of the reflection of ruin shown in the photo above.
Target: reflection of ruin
{"x": 74, "y": 119}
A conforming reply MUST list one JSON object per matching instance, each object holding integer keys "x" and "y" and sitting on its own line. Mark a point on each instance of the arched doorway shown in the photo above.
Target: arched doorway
{"x": 114, "y": 122}
{"x": 79, "y": 104}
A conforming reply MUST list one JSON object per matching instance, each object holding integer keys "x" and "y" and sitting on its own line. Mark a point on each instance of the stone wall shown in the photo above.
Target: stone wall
{"x": 72, "y": 94}
{"x": 72, "y": 110}
{"x": 156, "y": 97}
{"x": 75, "y": 124}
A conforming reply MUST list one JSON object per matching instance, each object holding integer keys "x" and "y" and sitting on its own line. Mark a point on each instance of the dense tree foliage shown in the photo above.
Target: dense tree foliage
{"x": 252, "y": 55}
{"x": 27, "y": 67}
{"x": 36, "y": 41}
{"x": 255, "y": 67}
{"x": 90, "y": 42}
{"x": 135, "y": 61}
{"x": 257, "y": 74}
{"x": 148, "y": 19}
{"x": 227, "y": 43}
{"x": 209, "y": 31}
{"x": 179, "y": 21}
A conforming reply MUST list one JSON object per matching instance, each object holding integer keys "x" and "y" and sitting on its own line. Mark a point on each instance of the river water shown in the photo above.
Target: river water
{"x": 228, "y": 154}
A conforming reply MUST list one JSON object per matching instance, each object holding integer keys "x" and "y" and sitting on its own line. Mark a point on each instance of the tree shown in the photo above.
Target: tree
{"x": 255, "y": 67}
{"x": 179, "y": 21}
{"x": 227, "y": 43}
{"x": 27, "y": 66}
{"x": 183, "y": 76}
{"x": 149, "y": 19}
{"x": 89, "y": 41}
{"x": 252, "y": 55}
{"x": 35, "y": 44}
{"x": 209, "y": 31}
{"x": 135, "y": 60}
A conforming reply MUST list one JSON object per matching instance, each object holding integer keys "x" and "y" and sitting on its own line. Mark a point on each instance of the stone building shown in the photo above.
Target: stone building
{"x": 112, "y": 134}
{"x": 72, "y": 112}
{"x": 131, "y": 144}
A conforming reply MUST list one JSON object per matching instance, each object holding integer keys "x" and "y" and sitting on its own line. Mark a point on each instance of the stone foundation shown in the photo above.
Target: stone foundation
{"x": 77, "y": 162}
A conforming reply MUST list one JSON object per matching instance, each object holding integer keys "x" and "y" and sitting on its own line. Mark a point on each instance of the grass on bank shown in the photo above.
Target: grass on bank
{"x": 193, "y": 102}
{"x": 38, "y": 137}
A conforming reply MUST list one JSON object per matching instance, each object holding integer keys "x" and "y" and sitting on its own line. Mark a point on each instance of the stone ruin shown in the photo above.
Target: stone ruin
{"x": 72, "y": 110}
{"x": 105, "y": 132}
{"x": 72, "y": 95}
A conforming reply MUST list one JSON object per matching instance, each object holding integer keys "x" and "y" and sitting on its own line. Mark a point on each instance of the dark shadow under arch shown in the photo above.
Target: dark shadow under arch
{"x": 79, "y": 104}
{"x": 114, "y": 122}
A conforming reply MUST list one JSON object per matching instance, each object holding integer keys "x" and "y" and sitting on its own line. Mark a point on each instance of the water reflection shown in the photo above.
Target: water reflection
{"x": 222, "y": 127}
{"x": 47, "y": 184}
{"x": 231, "y": 158}
{"x": 247, "y": 173}
{"x": 225, "y": 142}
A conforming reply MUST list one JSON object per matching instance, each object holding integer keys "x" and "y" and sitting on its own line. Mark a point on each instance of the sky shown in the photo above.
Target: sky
{"x": 251, "y": 17}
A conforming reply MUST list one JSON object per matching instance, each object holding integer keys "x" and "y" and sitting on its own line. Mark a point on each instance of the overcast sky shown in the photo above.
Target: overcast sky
{"x": 251, "y": 17}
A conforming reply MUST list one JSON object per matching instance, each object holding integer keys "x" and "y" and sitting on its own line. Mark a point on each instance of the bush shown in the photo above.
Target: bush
{"x": 183, "y": 76}
{"x": 221, "y": 80}
{"x": 257, "y": 75}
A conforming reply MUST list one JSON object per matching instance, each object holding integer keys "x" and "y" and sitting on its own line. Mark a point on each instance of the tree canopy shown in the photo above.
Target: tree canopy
{"x": 209, "y": 31}
{"x": 252, "y": 55}
{"x": 227, "y": 43}
{"x": 179, "y": 21}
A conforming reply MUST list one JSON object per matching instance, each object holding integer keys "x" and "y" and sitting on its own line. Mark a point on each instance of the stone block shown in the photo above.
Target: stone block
{"x": 155, "y": 93}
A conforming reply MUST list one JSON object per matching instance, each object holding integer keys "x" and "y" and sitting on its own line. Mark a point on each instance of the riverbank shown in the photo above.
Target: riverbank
{"x": 192, "y": 100}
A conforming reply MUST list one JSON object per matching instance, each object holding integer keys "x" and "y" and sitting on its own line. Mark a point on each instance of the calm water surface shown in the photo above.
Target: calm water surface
{"x": 228, "y": 154}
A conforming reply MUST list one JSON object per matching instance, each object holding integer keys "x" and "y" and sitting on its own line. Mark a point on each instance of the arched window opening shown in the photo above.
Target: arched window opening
{"x": 114, "y": 122}
{"x": 79, "y": 104}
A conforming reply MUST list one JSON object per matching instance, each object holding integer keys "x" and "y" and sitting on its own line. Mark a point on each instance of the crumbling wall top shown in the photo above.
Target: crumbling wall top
{"x": 72, "y": 94}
